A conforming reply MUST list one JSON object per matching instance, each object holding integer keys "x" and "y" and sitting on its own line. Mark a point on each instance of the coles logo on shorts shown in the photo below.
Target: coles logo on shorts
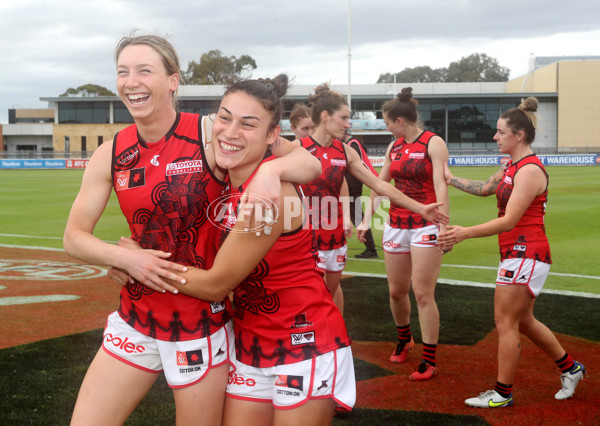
{"x": 182, "y": 167}
{"x": 303, "y": 338}
{"x": 286, "y": 381}
{"x": 124, "y": 344}
{"x": 190, "y": 357}
{"x": 430, "y": 237}
{"x": 391, "y": 244}
{"x": 505, "y": 273}
{"x": 234, "y": 379}
{"x": 341, "y": 258}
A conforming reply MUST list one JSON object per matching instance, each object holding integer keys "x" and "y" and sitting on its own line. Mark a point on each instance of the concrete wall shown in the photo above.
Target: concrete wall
{"x": 579, "y": 103}
{"x": 577, "y": 83}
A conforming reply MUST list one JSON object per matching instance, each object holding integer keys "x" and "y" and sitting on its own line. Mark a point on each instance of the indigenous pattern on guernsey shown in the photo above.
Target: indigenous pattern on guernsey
{"x": 323, "y": 193}
{"x": 528, "y": 238}
{"x": 164, "y": 189}
{"x": 283, "y": 310}
{"x": 412, "y": 172}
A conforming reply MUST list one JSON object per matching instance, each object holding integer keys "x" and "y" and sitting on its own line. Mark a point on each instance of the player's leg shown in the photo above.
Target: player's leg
{"x": 398, "y": 270}
{"x": 511, "y": 302}
{"x": 247, "y": 413}
{"x": 316, "y": 412}
{"x": 110, "y": 391}
{"x": 426, "y": 263}
{"x": 202, "y": 403}
{"x": 572, "y": 371}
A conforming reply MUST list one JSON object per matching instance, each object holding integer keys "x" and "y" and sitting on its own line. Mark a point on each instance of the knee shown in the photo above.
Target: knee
{"x": 423, "y": 298}
{"x": 397, "y": 294}
{"x": 505, "y": 324}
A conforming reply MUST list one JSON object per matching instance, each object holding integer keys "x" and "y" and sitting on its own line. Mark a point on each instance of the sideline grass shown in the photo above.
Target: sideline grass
{"x": 37, "y": 203}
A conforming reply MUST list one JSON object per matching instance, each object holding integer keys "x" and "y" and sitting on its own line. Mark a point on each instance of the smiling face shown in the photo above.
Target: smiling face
{"x": 143, "y": 83}
{"x": 305, "y": 128}
{"x": 338, "y": 123}
{"x": 241, "y": 134}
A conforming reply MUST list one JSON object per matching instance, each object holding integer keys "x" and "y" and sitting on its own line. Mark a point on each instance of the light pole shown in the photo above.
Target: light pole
{"x": 349, "y": 59}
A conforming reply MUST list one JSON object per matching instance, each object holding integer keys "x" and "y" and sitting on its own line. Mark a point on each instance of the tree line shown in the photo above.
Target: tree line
{"x": 215, "y": 68}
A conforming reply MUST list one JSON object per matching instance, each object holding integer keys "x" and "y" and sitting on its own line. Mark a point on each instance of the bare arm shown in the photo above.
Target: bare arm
{"x": 294, "y": 163}
{"x": 345, "y": 200}
{"x": 79, "y": 240}
{"x": 374, "y": 199}
{"x": 429, "y": 212}
{"x": 239, "y": 254}
{"x": 475, "y": 187}
{"x": 529, "y": 182}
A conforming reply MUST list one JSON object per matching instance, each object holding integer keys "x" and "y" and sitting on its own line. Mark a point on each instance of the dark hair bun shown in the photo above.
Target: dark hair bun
{"x": 405, "y": 94}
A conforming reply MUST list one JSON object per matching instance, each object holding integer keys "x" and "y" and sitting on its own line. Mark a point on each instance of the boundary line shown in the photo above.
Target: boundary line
{"x": 375, "y": 275}
{"x": 484, "y": 285}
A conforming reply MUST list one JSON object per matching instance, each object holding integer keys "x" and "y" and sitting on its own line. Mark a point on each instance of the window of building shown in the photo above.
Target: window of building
{"x": 121, "y": 114}
{"x": 433, "y": 117}
{"x": 472, "y": 122}
{"x": 83, "y": 112}
{"x": 100, "y": 140}
{"x": 83, "y": 143}
{"x": 199, "y": 107}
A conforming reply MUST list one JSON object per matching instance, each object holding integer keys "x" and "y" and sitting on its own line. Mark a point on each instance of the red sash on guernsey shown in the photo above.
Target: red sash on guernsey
{"x": 164, "y": 189}
{"x": 412, "y": 172}
{"x": 528, "y": 238}
{"x": 283, "y": 310}
{"x": 323, "y": 194}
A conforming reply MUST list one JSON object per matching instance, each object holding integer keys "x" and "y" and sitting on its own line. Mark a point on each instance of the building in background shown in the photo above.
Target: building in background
{"x": 464, "y": 114}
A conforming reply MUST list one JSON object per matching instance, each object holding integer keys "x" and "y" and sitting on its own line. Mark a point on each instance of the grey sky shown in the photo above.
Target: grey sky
{"x": 48, "y": 46}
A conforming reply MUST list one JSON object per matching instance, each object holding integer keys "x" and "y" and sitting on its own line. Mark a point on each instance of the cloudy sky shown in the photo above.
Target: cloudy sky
{"x": 47, "y": 47}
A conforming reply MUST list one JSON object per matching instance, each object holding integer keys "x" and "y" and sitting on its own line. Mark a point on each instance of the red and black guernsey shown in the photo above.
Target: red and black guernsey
{"x": 412, "y": 172}
{"x": 528, "y": 238}
{"x": 164, "y": 189}
{"x": 283, "y": 310}
{"x": 323, "y": 194}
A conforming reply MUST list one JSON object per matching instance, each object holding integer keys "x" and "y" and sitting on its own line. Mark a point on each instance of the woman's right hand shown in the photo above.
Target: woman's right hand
{"x": 150, "y": 267}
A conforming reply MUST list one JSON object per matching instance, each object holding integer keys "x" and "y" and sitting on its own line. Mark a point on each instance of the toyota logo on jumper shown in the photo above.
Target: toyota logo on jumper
{"x": 224, "y": 210}
{"x": 36, "y": 270}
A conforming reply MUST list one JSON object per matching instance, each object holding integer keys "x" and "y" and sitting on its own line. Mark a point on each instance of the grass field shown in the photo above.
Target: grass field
{"x": 41, "y": 378}
{"x": 36, "y": 203}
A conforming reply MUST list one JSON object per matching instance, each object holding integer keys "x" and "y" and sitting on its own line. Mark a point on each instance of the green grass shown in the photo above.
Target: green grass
{"x": 572, "y": 227}
{"x": 37, "y": 202}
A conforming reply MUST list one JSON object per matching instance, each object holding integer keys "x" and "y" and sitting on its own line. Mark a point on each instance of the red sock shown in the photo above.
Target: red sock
{"x": 502, "y": 389}
{"x": 404, "y": 333}
{"x": 566, "y": 363}
{"x": 429, "y": 353}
